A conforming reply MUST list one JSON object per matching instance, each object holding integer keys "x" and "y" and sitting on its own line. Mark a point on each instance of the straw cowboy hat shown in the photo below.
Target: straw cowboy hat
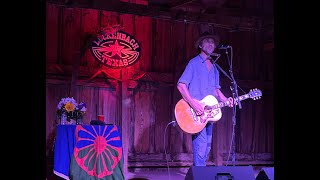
{"x": 205, "y": 35}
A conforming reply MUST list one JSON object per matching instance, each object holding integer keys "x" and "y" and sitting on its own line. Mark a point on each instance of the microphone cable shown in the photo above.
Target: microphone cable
{"x": 164, "y": 146}
{"x": 232, "y": 143}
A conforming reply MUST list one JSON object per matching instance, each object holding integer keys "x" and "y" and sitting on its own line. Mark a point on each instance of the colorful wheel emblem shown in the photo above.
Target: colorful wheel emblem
{"x": 98, "y": 149}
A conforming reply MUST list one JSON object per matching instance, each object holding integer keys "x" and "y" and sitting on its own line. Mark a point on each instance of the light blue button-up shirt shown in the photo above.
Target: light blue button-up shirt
{"x": 199, "y": 80}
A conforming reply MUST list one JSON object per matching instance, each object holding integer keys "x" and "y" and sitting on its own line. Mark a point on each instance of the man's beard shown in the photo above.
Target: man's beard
{"x": 206, "y": 52}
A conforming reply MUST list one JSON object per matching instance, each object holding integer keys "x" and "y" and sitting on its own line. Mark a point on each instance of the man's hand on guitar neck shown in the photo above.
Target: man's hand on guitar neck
{"x": 231, "y": 102}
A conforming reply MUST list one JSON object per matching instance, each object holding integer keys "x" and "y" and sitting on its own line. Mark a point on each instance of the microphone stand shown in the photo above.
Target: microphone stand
{"x": 235, "y": 97}
{"x": 234, "y": 89}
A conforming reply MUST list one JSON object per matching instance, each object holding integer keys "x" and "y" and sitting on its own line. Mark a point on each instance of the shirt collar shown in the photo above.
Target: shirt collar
{"x": 202, "y": 59}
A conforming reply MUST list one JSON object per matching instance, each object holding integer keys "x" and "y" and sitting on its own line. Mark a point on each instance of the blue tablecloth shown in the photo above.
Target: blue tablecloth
{"x": 88, "y": 152}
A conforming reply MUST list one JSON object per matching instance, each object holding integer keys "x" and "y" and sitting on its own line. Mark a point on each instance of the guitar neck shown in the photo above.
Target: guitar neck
{"x": 223, "y": 104}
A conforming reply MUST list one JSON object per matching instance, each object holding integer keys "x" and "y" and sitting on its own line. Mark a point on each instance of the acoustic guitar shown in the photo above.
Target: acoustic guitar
{"x": 191, "y": 123}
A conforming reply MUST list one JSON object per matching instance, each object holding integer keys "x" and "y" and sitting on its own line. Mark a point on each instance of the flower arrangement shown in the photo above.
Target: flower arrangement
{"x": 68, "y": 106}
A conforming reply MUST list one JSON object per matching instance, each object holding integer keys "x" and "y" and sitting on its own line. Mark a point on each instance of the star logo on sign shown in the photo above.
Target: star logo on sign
{"x": 115, "y": 49}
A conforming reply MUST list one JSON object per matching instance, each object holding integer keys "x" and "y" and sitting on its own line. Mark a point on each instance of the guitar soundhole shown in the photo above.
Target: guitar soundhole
{"x": 207, "y": 108}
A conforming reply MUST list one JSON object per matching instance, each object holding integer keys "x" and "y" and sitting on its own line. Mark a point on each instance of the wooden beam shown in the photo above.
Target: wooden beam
{"x": 125, "y": 117}
{"x": 180, "y": 3}
{"x": 185, "y": 159}
{"x": 159, "y": 164}
{"x": 75, "y": 72}
{"x": 65, "y": 74}
{"x": 249, "y": 23}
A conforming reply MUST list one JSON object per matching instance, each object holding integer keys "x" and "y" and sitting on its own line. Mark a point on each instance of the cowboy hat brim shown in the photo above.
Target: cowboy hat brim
{"x": 216, "y": 39}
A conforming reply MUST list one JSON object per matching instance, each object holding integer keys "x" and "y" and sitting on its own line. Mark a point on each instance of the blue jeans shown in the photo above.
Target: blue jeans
{"x": 201, "y": 145}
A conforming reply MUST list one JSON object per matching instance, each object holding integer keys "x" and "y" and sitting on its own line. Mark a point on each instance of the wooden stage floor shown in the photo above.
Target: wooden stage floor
{"x": 156, "y": 173}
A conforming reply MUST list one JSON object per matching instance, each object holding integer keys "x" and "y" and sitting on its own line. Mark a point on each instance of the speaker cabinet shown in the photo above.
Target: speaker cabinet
{"x": 266, "y": 173}
{"x": 220, "y": 173}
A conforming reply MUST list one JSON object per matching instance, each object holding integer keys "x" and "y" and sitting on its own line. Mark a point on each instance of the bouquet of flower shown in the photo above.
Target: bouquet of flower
{"x": 69, "y": 107}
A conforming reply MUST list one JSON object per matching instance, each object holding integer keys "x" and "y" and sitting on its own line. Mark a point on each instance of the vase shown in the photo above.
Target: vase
{"x": 63, "y": 119}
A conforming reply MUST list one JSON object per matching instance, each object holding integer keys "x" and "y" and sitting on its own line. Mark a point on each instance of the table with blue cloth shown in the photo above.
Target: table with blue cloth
{"x": 88, "y": 152}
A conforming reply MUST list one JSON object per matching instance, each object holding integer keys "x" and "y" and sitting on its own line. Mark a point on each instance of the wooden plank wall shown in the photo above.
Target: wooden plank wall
{"x": 145, "y": 107}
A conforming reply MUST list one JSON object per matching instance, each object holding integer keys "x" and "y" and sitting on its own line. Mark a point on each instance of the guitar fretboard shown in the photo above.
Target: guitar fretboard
{"x": 222, "y": 104}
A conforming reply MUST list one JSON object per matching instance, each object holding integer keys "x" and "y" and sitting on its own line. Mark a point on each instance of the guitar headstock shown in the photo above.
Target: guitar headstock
{"x": 255, "y": 94}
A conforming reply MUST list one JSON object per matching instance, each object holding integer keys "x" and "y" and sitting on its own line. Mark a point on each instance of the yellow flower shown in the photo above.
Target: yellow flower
{"x": 69, "y": 107}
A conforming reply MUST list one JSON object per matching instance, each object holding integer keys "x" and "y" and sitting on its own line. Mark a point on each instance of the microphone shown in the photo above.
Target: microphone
{"x": 223, "y": 46}
{"x": 215, "y": 54}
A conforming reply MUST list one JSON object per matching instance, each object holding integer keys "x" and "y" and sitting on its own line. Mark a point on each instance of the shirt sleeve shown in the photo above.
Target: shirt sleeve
{"x": 186, "y": 76}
